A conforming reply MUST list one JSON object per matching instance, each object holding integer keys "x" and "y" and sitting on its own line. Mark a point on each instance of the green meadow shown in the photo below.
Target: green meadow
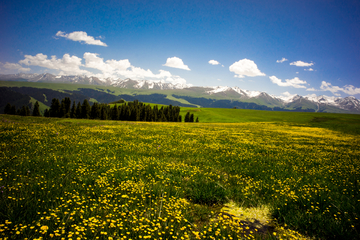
{"x": 238, "y": 174}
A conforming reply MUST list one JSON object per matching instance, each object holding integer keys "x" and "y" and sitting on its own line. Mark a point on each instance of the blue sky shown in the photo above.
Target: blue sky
{"x": 280, "y": 47}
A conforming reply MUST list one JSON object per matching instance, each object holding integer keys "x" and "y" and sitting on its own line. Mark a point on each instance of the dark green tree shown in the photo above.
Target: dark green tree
{"x": 55, "y": 108}
{"x": 46, "y": 113}
{"x": 191, "y": 118}
{"x": 95, "y": 111}
{"x": 65, "y": 107}
{"x": 25, "y": 111}
{"x": 36, "y": 111}
{"x": 13, "y": 110}
{"x": 85, "y": 109}
{"x": 78, "y": 110}
{"x": 187, "y": 117}
{"x": 73, "y": 111}
{"x": 115, "y": 113}
{"x": 7, "y": 109}
{"x": 197, "y": 119}
{"x": 104, "y": 115}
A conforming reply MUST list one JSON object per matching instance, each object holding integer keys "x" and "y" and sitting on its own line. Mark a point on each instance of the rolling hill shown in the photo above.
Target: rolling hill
{"x": 43, "y": 87}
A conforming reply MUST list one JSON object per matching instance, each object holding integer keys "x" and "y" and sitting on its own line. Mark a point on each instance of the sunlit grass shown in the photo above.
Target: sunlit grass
{"x": 66, "y": 178}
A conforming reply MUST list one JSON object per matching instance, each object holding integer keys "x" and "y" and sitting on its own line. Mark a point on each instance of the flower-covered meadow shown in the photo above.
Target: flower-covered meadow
{"x": 88, "y": 179}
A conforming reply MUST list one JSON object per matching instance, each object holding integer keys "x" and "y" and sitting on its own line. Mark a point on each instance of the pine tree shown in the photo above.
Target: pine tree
{"x": 197, "y": 119}
{"x": 78, "y": 110}
{"x": 46, "y": 113}
{"x": 27, "y": 111}
{"x": 95, "y": 111}
{"x": 36, "y": 111}
{"x": 54, "y": 108}
{"x": 22, "y": 111}
{"x": 65, "y": 108}
{"x": 191, "y": 118}
{"x": 187, "y": 117}
{"x": 115, "y": 113}
{"x": 13, "y": 110}
{"x": 85, "y": 109}
{"x": 7, "y": 109}
{"x": 73, "y": 111}
{"x": 103, "y": 113}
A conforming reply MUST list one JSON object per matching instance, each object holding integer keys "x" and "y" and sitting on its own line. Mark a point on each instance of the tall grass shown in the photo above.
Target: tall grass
{"x": 69, "y": 178}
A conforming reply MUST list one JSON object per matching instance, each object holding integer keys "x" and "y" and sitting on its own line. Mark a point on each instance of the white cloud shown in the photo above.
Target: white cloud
{"x": 348, "y": 89}
{"x": 311, "y": 89}
{"x": 214, "y": 62}
{"x": 301, "y": 64}
{"x": 80, "y": 36}
{"x": 176, "y": 62}
{"x": 123, "y": 68}
{"x": 295, "y": 82}
{"x": 245, "y": 67}
{"x": 67, "y": 65}
{"x": 109, "y": 68}
{"x": 287, "y": 94}
{"x": 282, "y": 60}
{"x": 15, "y": 66}
{"x": 71, "y": 65}
{"x": 310, "y": 69}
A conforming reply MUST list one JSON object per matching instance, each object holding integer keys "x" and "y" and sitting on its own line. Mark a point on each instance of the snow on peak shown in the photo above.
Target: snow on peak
{"x": 322, "y": 99}
{"x": 287, "y": 97}
{"x": 252, "y": 94}
{"x": 219, "y": 89}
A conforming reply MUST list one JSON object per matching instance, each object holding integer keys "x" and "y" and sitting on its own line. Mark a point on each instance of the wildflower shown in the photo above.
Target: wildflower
{"x": 44, "y": 228}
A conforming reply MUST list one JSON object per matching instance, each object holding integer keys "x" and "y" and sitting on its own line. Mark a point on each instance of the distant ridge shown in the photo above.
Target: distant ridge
{"x": 294, "y": 102}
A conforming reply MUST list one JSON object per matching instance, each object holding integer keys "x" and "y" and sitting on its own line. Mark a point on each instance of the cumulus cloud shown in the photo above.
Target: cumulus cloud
{"x": 309, "y": 69}
{"x": 14, "y": 66}
{"x": 311, "y": 89}
{"x": 245, "y": 67}
{"x": 348, "y": 89}
{"x": 295, "y": 82}
{"x": 176, "y": 62}
{"x": 80, "y": 36}
{"x": 92, "y": 60}
{"x": 67, "y": 65}
{"x": 282, "y": 60}
{"x": 72, "y": 65}
{"x": 287, "y": 94}
{"x": 301, "y": 64}
{"x": 113, "y": 68}
{"x": 214, "y": 62}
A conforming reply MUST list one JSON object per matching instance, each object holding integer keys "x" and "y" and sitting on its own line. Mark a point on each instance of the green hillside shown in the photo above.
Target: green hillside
{"x": 343, "y": 122}
{"x": 189, "y": 97}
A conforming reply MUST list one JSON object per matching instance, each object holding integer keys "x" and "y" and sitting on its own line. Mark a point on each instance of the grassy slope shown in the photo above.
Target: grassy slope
{"x": 42, "y": 106}
{"x": 342, "y": 122}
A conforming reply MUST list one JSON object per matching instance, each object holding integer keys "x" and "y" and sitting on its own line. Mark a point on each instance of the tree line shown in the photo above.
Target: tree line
{"x": 23, "y": 111}
{"x": 131, "y": 111}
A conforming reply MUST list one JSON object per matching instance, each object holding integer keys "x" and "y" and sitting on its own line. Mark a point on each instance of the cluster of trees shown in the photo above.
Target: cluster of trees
{"x": 23, "y": 111}
{"x": 189, "y": 117}
{"x": 131, "y": 111}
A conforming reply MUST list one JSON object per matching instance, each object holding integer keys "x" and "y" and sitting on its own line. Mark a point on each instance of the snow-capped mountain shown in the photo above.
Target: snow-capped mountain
{"x": 287, "y": 102}
{"x": 348, "y": 103}
{"x": 144, "y": 84}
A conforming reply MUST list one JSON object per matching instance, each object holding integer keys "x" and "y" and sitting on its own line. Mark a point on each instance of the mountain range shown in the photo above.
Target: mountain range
{"x": 220, "y": 96}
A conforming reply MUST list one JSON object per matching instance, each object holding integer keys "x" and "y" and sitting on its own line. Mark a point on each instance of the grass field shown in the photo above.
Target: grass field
{"x": 271, "y": 175}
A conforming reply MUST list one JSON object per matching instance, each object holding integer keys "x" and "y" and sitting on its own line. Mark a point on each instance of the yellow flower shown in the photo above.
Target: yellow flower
{"x": 44, "y": 228}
